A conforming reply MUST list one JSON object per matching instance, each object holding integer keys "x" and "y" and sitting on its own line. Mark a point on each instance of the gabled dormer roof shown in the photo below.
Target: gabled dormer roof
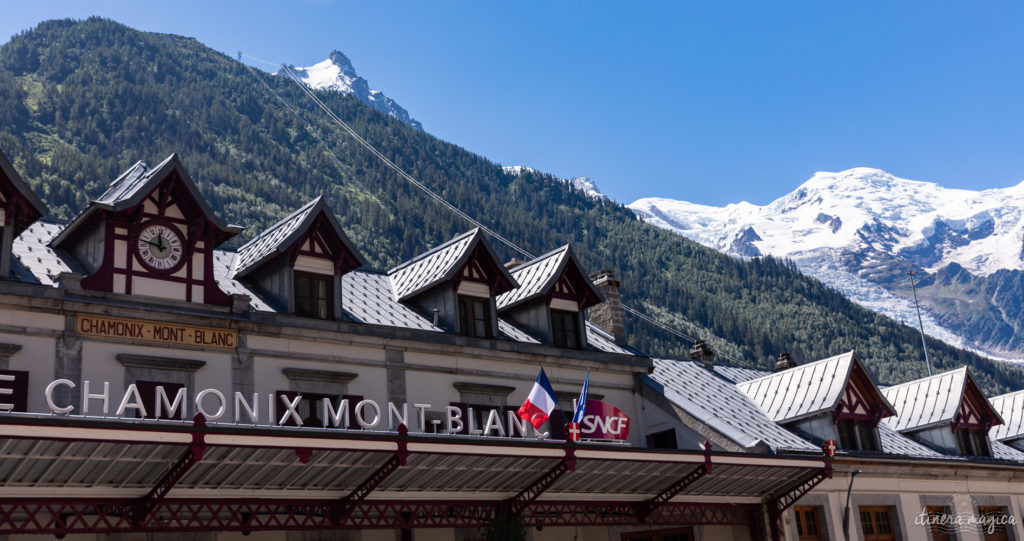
{"x": 283, "y": 236}
{"x": 537, "y": 278}
{"x": 1011, "y": 408}
{"x": 937, "y": 400}
{"x": 811, "y": 389}
{"x": 443, "y": 263}
{"x": 16, "y": 191}
{"x": 134, "y": 185}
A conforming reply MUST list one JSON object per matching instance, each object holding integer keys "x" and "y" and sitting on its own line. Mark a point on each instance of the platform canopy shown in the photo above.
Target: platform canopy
{"x": 64, "y": 475}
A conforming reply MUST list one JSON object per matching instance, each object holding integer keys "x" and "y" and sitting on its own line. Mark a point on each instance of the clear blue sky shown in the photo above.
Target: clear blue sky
{"x": 709, "y": 102}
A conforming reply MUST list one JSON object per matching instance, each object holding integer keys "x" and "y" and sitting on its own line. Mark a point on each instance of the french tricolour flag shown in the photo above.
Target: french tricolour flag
{"x": 540, "y": 403}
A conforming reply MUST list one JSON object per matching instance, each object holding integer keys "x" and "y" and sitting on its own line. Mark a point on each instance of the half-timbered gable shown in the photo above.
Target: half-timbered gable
{"x": 19, "y": 207}
{"x": 553, "y": 292}
{"x": 830, "y": 399}
{"x": 297, "y": 263}
{"x": 947, "y": 412}
{"x": 151, "y": 233}
{"x": 455, "y": 284}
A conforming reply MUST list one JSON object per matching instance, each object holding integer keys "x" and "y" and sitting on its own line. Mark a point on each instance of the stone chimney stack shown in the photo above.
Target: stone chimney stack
{"x": 785, "y": 362}
{"x": 608, "y": 315}
{"x": 701, "y": 352}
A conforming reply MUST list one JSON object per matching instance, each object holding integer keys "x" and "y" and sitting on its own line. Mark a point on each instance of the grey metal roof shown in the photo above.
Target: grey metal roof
{"x": 1011, "y": 408}
{"x": 280, "y": 236}
{"x": 802, "y": 391}
{"x": 602, "y": 341}
{"x": 34, "y": 261}
{"x": 739, "y": 374}
{"x": 367, "y": 298}
{"x": 928, "y": 401}
{"x": 439, "y": 264}
{"x": 137, "y": 182}
{"x": 1003, "y": 451}
{"x": 538, "y": 276}
{"x": 718, "y": 403}
{"x": 21, "y": 186}
{"x": 894, "y": 443}
{"x": 223, "y": 265}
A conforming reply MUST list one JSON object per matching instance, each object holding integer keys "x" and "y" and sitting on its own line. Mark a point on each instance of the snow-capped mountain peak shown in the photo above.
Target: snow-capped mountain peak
{"x": 337, "y": 73}
{"x": 583, "y": 184}
{"x": 859, "y": 230}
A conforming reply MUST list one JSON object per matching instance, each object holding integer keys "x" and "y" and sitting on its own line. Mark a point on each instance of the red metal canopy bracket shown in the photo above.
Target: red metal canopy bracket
{"x": 528, "y": 495}
{"x": 645, "y": 508}
{"x": 340, "y": 511}
{"x": 778, "y": 504}
{"x": 141, "y": 510}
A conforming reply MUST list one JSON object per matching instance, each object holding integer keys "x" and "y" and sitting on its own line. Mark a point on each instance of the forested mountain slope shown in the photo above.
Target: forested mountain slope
{"x": 82, "y": 100}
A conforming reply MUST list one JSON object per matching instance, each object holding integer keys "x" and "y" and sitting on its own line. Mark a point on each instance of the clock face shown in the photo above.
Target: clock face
{"x": 159, "y": 247}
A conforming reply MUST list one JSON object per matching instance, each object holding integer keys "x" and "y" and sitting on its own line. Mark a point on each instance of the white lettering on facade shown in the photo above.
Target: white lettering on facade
{"x": 132, "y": 393}
{"x": 6, "y": 406}
{"x": 49, "y": 395}
{"x": 163, "y": 402}
{"x": 454, "y": 425}
{"x": 87, "y": 396}
{"x": 221, "y": 407}
{"x": 291, "y": 411}
{"x": 401, "y": 416}
{"x": 361, "y": 419}
{"x": 335, "y": 416}
{"x": 368, "y": 414}
{"x": 242, "y": 405}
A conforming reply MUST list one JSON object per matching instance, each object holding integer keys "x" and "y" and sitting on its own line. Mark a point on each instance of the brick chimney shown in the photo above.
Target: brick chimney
{"x": 785, "y": 362}
{"x": 608, "y": 315}
{"x": 701, "y": 352}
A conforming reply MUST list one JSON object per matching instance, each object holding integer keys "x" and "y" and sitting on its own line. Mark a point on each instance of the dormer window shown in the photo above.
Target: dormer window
{"x": 565, "y": 329}
{"x": 296, "y": 265}
{"x": 960, "y": 421}
{"x": 313, "y": 295}
{"x": 475, "y": 316}
{"x": 857, "y": 435}
{"x": 551, "y": 298}
{"x": 455, "y": 285}
{"x": 973, "y": 442}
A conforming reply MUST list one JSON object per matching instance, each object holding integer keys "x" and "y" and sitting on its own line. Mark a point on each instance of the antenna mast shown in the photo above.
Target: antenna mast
{"x": 920, "y": 323}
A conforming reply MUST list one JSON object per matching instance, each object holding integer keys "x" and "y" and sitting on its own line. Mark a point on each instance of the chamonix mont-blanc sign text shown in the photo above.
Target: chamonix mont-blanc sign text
{"x": 601, "y": 421}
{"x": 157, "y": 332}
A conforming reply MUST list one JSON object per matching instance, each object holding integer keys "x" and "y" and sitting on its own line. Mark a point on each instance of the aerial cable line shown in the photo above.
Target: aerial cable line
{"x": 309, "y": 128}
{"x": 288, "y": 71}
{"x": 368, "y": 146}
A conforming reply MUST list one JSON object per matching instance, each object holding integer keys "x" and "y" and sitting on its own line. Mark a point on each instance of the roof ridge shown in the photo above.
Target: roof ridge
{"x": 799, "y": 367}
{"x": 280, "y": 223}
{"x": 540, "y": 258}
{"x": 435, "y": 249}
{"x": 919, "y": 381}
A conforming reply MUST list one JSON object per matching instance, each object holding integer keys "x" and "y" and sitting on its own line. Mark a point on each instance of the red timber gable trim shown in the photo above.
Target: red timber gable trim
{"x": 860, "y": 399}
{"x": 482, "y": 268}
{"x": 18, "y": 210}
{"x": 171, "y": 205}
{"x": 974, "y": 411}
{"x": 322, "y": 241}
{"x": 573, "y": 285}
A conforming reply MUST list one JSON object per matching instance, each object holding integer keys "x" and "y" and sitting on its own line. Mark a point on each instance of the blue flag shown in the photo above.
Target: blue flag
{"x": 581, "y": 403}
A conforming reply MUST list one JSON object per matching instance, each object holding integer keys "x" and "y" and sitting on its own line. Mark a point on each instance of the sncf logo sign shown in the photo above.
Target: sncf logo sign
{"x": 602, "y": 421}
{"x": 13, "y": 390}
